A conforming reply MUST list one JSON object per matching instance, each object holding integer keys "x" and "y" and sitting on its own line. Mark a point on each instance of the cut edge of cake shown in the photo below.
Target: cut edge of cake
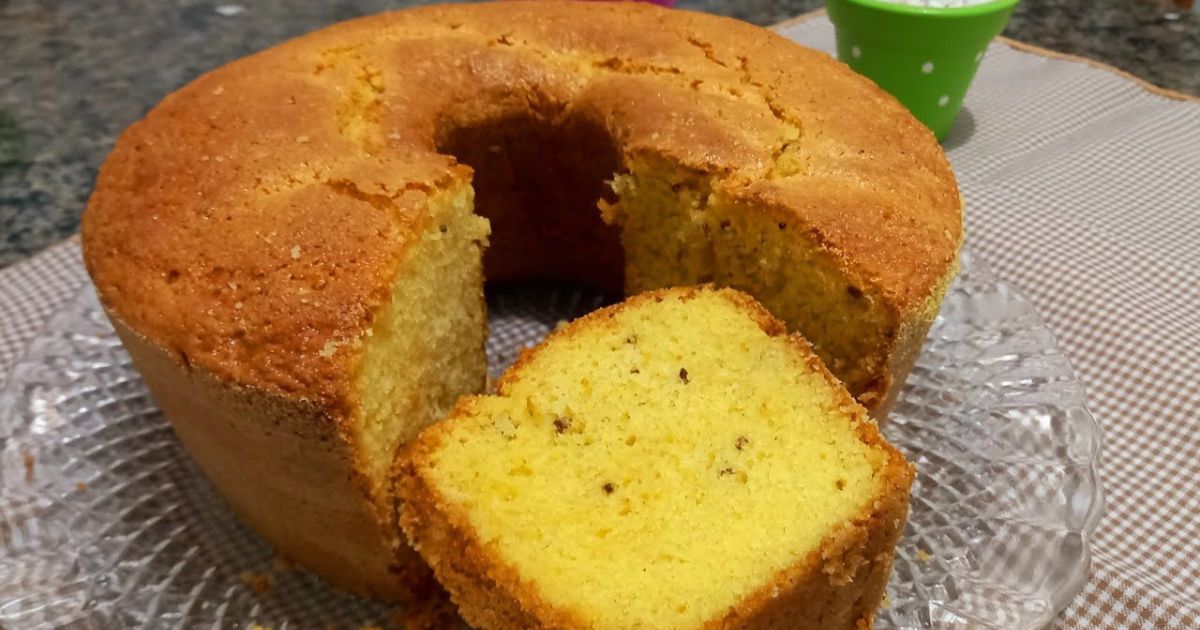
{"x": 845, "y": 577}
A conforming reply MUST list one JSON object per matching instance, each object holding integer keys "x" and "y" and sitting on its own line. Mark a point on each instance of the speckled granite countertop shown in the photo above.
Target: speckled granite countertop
{"x": 73, "y": 75}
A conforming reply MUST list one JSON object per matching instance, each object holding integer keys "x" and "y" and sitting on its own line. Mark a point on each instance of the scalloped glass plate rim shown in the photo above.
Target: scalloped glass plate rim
{"x": 974, "y": 280}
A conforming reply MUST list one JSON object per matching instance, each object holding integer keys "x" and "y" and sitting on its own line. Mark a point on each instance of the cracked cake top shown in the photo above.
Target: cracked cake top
{"x": 256, "y": 216}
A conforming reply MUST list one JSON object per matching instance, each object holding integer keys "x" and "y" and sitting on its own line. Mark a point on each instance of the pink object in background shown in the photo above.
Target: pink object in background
{"x": 661, "y": 3}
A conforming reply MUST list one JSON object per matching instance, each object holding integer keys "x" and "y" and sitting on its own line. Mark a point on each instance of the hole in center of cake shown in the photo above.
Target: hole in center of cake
{"x": 538, "y": 182}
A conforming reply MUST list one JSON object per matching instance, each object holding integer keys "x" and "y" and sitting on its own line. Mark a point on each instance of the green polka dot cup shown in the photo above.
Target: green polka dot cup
{"x": 924, "y": 55}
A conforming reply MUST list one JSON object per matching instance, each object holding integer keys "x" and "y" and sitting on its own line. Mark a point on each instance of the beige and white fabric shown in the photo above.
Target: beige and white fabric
{"x": 1083, "y": 188}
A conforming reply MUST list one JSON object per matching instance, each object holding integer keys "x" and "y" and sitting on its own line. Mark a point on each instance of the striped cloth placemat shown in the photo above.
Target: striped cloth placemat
{"x": 1083, "y": 188}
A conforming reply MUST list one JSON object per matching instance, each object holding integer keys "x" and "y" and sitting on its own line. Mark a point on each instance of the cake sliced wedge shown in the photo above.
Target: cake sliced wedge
{"x": 674, "y": 461}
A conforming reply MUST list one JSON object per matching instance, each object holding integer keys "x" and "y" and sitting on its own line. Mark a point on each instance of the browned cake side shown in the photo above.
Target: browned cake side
{"x": 245, "y": 234}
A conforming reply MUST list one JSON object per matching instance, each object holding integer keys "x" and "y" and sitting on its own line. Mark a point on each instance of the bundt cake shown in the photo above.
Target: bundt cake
{"x": 291, "y": 247}
{"x": 674, "y": 461}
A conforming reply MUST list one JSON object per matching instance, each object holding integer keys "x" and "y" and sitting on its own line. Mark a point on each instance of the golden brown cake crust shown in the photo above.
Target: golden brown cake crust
{"x": 837, "y": 587}
{"x": 251, "y": 221}
{"x": 285, "y": 474}
{"x": 244, "y": 234}
{"x": 442, "y": 534}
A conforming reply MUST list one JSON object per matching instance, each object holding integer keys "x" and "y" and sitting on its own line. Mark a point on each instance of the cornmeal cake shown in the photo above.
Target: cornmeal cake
{"x": 675, "y": 461}
{"x": 293, "y": 247}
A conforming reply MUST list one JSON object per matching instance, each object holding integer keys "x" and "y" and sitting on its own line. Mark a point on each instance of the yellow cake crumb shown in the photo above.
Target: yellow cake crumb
{"x": 259, "y": 582}
{"x": 30, "y": 464}
{"x": 659, "y": 464}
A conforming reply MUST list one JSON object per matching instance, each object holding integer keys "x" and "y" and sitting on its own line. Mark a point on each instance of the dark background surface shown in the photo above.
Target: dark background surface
{"x": 74, "y": 74}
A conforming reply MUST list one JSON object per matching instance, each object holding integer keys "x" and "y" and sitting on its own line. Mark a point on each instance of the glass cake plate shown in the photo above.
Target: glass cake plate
{"x": 106, "y": 523}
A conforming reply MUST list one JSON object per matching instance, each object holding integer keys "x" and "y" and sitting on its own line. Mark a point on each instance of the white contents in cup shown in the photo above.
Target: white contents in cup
{"x": 938, "y": 4}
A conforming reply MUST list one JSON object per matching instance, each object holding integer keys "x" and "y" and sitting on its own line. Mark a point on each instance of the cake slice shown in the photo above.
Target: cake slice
{"x": 674, "y": 461}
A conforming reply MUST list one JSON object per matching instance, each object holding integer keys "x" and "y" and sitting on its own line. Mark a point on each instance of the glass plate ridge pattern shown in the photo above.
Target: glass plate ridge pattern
{"x": 105, "y": 522}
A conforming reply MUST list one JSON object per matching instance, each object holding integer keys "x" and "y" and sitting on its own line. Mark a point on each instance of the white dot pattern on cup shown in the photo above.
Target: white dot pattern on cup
{"x": 927, "y": 67}
{"x": 1086, "y": 245}
{"x": 1089, "y": 248}
{"x": 943, "y": 100}
{"x": 855, "y": 52}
